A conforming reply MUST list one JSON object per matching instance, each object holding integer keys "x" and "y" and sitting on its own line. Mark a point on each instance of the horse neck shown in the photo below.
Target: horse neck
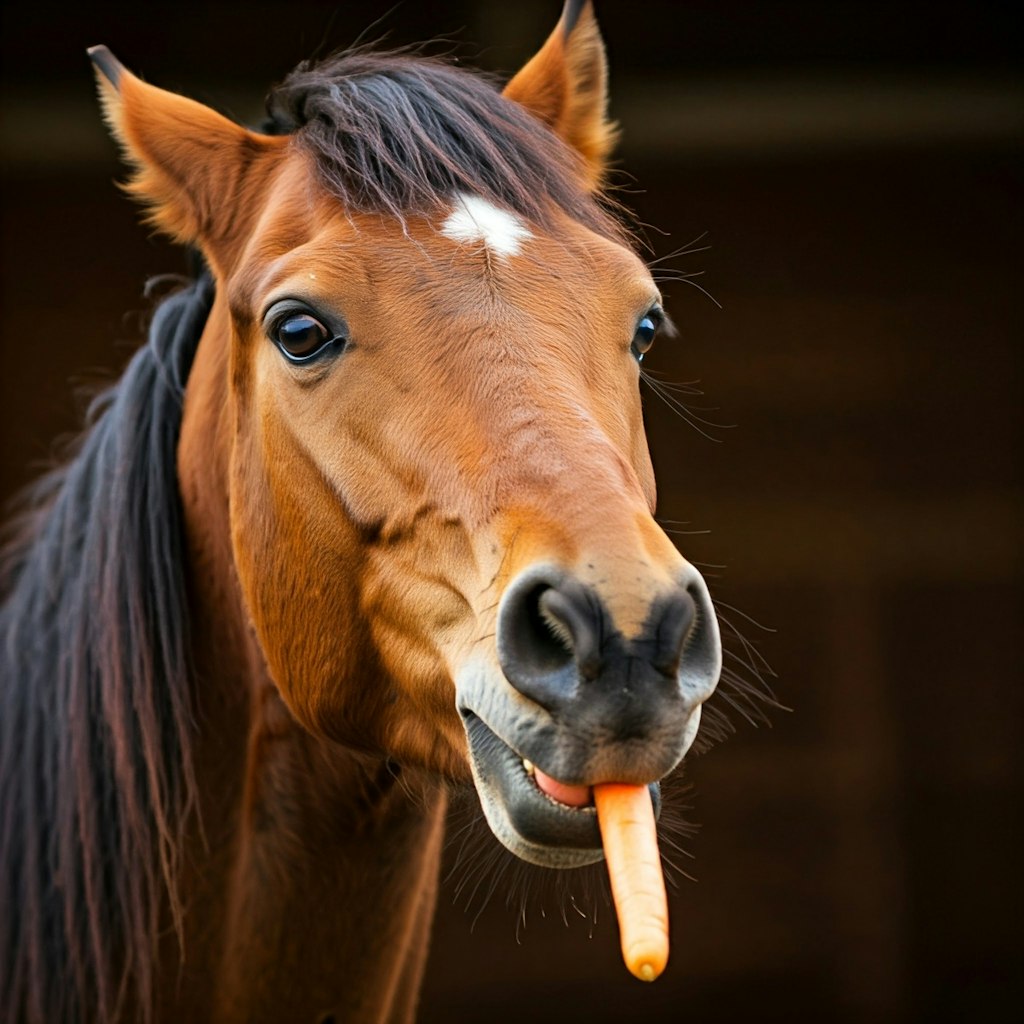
{"x": 314, "y": 868}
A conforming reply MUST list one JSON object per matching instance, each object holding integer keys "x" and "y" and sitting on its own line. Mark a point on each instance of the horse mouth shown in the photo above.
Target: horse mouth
{"x": 534, "y": 824}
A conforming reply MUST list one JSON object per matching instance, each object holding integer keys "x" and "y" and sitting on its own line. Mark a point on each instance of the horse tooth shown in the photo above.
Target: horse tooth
{"x": 528, "y": 765}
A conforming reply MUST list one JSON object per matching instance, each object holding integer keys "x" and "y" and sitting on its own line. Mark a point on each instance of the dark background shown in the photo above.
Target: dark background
{"x": 857, "y": 168}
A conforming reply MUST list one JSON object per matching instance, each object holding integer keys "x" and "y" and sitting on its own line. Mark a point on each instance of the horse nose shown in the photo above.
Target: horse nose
{"x": 555, "y": 635}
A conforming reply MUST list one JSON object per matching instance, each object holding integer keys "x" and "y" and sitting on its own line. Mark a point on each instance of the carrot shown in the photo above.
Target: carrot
{"x": 626, "y": 818}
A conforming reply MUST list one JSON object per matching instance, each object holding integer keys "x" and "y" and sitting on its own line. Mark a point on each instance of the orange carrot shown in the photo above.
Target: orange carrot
{"x": 630, "y": 842}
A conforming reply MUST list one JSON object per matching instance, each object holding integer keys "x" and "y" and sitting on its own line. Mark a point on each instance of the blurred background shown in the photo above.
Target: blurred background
{"x": 855, "y": 169}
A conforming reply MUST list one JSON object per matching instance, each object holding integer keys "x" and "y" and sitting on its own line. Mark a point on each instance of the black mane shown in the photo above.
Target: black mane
{"x": 95, "y": 710}
{"x": 399, "y": 134}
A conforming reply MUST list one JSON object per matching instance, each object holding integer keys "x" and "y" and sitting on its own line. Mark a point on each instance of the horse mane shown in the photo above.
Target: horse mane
{"x": 399, "y": 133}
{"x": 95, "y": 708}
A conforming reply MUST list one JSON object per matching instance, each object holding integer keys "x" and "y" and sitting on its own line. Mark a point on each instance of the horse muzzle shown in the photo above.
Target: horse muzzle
{"x": 583, "y": 702}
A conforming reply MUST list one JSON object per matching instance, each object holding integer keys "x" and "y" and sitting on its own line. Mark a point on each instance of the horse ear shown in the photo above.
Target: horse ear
{"x": 192, "y": 166}
{"x": 565, "y": 84}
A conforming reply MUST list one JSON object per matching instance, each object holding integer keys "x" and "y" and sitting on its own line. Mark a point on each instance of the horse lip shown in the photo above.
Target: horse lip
{"x": 532, "y": 825}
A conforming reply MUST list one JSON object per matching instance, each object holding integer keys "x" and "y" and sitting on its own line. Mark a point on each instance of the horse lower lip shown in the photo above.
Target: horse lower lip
{"x": 536, "y": 826}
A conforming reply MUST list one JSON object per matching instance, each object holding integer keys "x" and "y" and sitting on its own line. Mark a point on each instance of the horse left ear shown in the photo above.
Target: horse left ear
{"x": 192, "y": 166}
{"x": 565, "y": 84}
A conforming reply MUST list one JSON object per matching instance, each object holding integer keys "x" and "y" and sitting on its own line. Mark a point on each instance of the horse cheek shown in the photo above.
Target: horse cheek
{"x": 411, "y": 595}
{"x": 297, "y": 568}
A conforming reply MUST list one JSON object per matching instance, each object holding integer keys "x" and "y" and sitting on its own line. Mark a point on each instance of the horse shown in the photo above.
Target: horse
{"x": 370, "y": 516}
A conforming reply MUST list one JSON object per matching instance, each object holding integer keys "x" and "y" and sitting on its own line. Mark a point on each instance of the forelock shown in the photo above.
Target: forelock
{"x": 402, "y": 134}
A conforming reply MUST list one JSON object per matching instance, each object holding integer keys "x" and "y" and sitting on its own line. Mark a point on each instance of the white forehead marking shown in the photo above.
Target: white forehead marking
{"x": 475, "y": 220}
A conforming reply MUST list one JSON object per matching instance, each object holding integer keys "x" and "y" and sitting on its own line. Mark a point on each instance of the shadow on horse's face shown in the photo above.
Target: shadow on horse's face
{"x": 441, "y": 496}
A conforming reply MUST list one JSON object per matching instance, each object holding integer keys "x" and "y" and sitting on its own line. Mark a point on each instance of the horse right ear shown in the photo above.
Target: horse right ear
{"x": 565, "y": 84}
{"x": 191, "y": 164}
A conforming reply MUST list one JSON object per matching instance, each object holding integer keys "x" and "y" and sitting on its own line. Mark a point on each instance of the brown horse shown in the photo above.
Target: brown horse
{"x": 369, "y": 516}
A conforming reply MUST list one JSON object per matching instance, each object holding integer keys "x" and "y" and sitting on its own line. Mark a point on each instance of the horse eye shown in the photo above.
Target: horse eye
{"x": 644, "y": 337}
{"x": 301, "y": 337}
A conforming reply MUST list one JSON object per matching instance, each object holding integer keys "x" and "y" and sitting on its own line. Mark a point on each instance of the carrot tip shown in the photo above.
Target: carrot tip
{"x": 646, "y": 972}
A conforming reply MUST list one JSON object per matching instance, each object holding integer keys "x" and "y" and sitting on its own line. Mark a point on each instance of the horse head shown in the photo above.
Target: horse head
{"x": 439, "y": 488}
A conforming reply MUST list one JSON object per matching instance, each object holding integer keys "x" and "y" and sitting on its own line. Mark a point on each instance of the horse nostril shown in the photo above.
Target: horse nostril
{"x": 554, "y": 635}
{"x": 548, "y": 637}
{"x": 699, "y": 663}
{"x": 675, "y": 618}
{"x": 573, "y": 619}
{"x": 540, "y": 636}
